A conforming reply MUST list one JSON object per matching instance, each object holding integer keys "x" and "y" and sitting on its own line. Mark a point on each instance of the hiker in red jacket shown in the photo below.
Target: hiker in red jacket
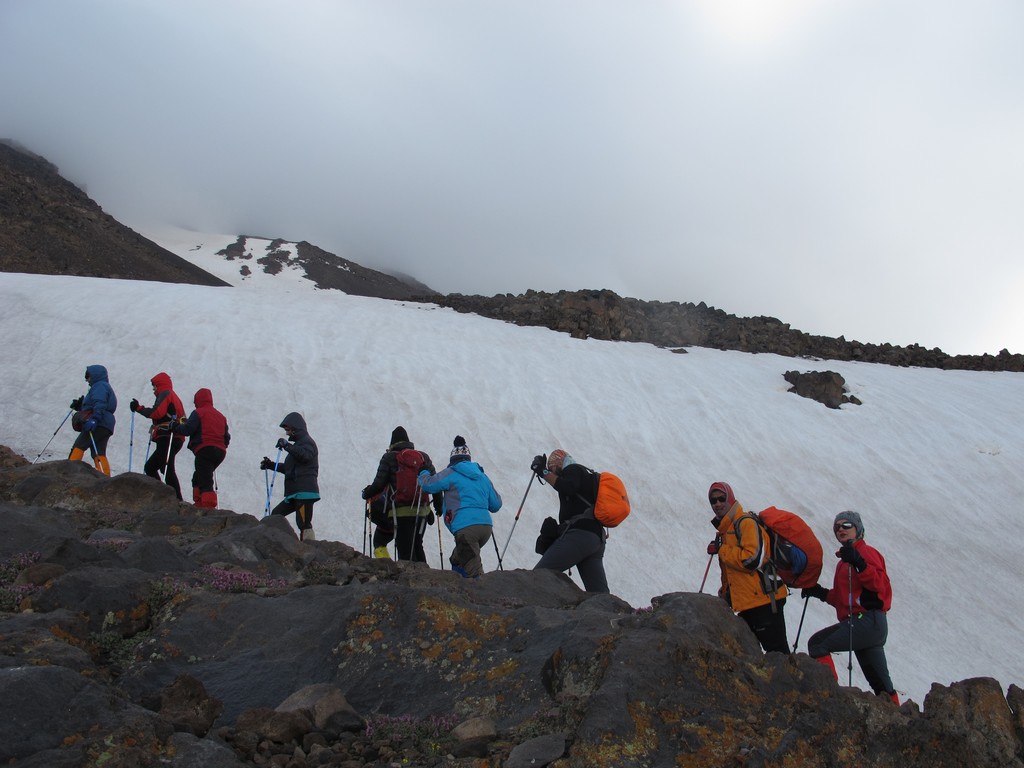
{"x": 862, "y": 595}
{"x": 208, "y": 438}
{"x": 166, "y": 411}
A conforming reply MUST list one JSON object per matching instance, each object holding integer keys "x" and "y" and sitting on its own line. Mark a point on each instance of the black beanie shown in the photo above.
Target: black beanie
{"x": 399, "y": 436}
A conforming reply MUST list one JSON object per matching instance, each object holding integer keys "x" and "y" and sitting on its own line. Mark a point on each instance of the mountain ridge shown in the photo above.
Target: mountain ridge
{"x": 45, "y": 218}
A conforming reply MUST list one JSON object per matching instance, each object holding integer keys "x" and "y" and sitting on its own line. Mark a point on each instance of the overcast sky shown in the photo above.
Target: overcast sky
{"x": 850, "y": 167}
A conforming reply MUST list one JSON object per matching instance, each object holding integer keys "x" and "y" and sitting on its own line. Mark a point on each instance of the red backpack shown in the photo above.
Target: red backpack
{"x": 796, "y": 553}
{"x": 407, "y": 491}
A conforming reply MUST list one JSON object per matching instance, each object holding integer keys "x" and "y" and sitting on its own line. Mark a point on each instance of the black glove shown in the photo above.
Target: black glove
{"x": 76, "y": 404}
{"x": 366, "y": 493}
{"x": 133, "y": 406}
{"x": 539, "y": 465}
{"x": 849, "y": 554}
{"x": 817, "y": 591}
{"x": 281, "y": 443}
{"x": 266, "y": 463}
{"x": 715, "y": 545}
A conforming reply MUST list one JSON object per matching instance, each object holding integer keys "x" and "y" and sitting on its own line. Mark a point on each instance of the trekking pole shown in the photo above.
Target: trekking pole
{"x": 366, "y": 523}
{"x": 494, "y": 539}
{"x": 796, "y": 643}
{"x": 501, "y": 557}
{"x": 270, "y": 489}
{"x": 706, "y": 570}
{"x": 131, "y": 441}
{"x": 394, "y": 522}
{"x": 440, "y": 549}
{"x": 849, "y": 654}
{"x": 96, "y": 451}
{"x": 53, "y": 436}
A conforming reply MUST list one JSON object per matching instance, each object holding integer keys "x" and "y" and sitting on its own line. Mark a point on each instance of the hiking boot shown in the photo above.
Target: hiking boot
{"x": 307, "y": 535}
{"x": 382, "y": 553}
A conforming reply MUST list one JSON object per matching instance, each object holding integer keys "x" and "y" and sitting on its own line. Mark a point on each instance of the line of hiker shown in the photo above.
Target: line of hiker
{"x": 761, "y": 556}
{"x": 206, "y": 429}
{"x": 757, "y": 557}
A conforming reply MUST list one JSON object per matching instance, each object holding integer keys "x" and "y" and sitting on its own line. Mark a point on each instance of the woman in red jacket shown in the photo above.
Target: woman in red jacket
{"x": 208, "y": 438}
{"x": 166, "y": 411}
{"x": 862, "y": 595}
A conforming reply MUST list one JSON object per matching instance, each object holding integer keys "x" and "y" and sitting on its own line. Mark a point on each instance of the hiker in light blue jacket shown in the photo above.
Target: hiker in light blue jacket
{"x": 469, "y": 500}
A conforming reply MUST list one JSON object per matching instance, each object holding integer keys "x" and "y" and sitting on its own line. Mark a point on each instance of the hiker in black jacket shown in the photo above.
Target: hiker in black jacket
{"x": 300, "y": 468}
{"x": 405, "y": 502}
{"x": 579, "y": 539}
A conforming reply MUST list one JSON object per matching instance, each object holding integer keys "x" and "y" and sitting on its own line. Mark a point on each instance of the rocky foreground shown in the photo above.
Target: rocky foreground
{"x": 138, "y": 631}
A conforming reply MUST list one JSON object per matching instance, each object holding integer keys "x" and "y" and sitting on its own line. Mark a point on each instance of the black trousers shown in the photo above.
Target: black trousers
{"x": 207, "y": 461}
{"x": 165, "y": 448}
{"x": 769, "y": 628}
{"x": 303, "y": 509}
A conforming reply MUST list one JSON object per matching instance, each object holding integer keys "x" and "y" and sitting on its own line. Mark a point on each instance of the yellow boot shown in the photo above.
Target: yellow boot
{"x": 382, "y": 553}
{"x": 76, "y": 454}
{"x": 102, "y": 465}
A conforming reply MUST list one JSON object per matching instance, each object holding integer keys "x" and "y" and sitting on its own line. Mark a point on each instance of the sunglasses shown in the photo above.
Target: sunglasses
{"x": 845, "y": 526}
{"x": 717, "y": 499}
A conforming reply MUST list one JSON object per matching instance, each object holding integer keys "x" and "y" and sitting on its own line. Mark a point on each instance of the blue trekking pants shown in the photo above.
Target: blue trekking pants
{"x": 583, "y": 549}
{"x": 869, "y": 631}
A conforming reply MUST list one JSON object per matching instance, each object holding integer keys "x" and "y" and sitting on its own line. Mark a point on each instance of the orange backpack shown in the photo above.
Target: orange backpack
{"x": 612, "y": 504}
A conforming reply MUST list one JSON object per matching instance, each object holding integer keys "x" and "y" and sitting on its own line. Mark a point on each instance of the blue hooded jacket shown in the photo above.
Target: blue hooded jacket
{"x": 469, "y": 495}
{"x": 100, "y": 399}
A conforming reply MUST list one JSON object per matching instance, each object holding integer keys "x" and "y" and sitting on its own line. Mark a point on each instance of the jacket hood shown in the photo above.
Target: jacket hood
{"x": 468, "y": 469}
{"x": 162, "y": 382}
{"x": 96, "y": 373}
{"x": 730, "y": 497}
{"x": 203, "y": 397}
{"x": 295, "y": 421}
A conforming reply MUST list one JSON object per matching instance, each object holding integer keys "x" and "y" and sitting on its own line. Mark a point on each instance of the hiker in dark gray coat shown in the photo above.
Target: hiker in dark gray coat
{"x": 300, "y": 468}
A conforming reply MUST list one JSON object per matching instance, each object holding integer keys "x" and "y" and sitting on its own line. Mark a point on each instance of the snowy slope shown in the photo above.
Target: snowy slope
{"x": 932, "y": 459}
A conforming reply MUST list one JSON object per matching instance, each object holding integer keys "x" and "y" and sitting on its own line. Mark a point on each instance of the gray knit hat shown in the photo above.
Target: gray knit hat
{"x": 851, "y": 517}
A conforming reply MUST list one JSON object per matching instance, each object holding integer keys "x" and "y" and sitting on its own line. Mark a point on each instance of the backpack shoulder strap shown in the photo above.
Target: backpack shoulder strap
{"x": 756, "y": 560}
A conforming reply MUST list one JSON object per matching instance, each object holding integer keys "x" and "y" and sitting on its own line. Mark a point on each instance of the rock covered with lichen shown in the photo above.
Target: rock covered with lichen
{"x": 138, "y": 631}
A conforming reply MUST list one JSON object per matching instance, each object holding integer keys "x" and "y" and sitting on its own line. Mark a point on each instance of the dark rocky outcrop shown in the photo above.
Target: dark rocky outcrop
{"x": 827, "y": 387}
{"x": 325, "y": 270}
{"x": 605, "y": 315}
{"x": 247, "y": 647}
{"x": 48, "y": 226}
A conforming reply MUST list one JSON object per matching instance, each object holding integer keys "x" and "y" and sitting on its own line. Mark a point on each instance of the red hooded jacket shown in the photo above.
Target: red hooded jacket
{"x": 206, "y": 426}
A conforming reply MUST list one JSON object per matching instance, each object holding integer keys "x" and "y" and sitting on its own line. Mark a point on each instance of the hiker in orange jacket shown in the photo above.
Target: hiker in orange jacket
{"x": 742, "y": 547}
{"x": 862, "y": 595}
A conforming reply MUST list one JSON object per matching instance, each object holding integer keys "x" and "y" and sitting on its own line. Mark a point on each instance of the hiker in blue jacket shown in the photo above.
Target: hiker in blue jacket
{"x": 469, "y": 500}
{"x": 94, "y": 418}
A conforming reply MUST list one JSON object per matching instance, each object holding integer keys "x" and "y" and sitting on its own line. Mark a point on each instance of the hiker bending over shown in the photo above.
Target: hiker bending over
{"x": 742, "y": 546}
{"x": 301, "y": 468}
{"x": 469, "y": 500}
{"x": 407, "y": 504}
{"x": 861, "y": 594}
{"x": 94, "y": 419}
{"x": 577, "y": 539}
